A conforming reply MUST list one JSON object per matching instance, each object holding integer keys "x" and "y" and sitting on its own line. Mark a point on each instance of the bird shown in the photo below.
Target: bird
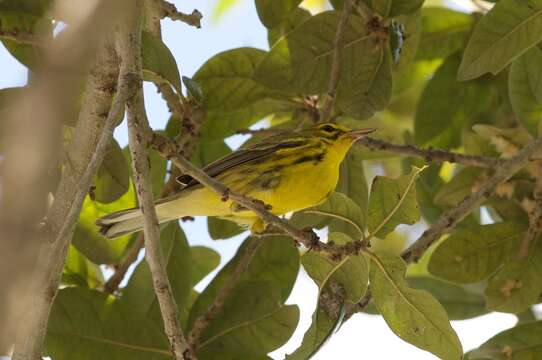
{"x": 288, "y": 172}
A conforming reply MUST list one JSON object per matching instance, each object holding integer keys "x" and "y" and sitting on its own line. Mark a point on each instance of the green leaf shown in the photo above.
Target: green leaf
{"x": 301, "y": 63}
{"x": 193, "y": 89}
{"x": 159, "y": 64}
{"x": 222, "y": 229}
{"x": 526, "y": 89}
{"x": 80, "y": 271}
{"x": 372, "y": 90}
{"x": 392, "y": 202}
{"x": 257, "y": 332}
{"x": 444, "y": 31}
{"x": 272, "y": 12}
{"x": 204, "y": 260}
{"x": 427, "y": 186}
{"x": 139, "y": 293}
{"x": 471, "y": 254}
{"x": 518, "y": 343}
{"x": 87, "y": 238}
{"x": 352, "y": 181}
{"x": 413, "y": 315}
{"x": 34, "y": 7}
{"x": 275, "y": 262}
{"x": 446, "y": 105}
{"x": 389, "y": 8}
{"x": 517, "y": 285}
{"x": 322, "y": 328}
{"x": 341, "y": 207}
{"x": 88, "y": 325}
{"x": 404, "y": 7}
{"x": 351, "y": 273}
{"x": 508, "y": 30}
{"x": 113, "y": 177}
{"x": 232, "y": 98}
{"x": 289, "y": 23}
{"x": 15, "y": 19}
{"x": 459, "y": 186}
{"x": 157, "y": 167}
{"x": 459, "y": 303}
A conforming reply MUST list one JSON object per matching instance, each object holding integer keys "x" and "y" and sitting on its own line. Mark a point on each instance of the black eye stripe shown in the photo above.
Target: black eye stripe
{"x": 328, "y": 128}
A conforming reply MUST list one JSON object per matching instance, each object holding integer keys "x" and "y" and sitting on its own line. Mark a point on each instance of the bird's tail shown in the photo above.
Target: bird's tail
{"x": 129, "y": 221}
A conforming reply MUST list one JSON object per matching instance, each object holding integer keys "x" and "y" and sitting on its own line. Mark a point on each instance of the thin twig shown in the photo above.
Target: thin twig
{"x": 186, "y": 143}
{"x": 129, "y": 51}
{"x": 535, "y": 217}
{"x": 21, "y": 36}
{"x": 335, "y": 75}
{"x": 218, "y": 303}
{"x": 431, "y": 155}
{"x": 449, "y": 219}
{"x": 169, "y": 10}
{"x": 306, "y": 237}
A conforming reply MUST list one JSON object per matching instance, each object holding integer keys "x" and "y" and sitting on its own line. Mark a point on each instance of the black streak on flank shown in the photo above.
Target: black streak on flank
{"x": 309, "y": 158}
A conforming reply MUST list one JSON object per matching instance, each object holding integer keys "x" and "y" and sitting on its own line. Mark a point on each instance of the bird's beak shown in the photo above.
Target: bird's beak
{"x": 358, "y": 133}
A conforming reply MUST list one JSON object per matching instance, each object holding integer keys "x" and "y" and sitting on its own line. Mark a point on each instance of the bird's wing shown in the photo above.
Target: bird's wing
{"x": 242, "y": 156}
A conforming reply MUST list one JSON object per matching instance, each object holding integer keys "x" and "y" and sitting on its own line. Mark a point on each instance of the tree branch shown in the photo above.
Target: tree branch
{"x": 169, "y": 10}
{"x": 335, "y": 76}
{"x": 535, "y": 217}
{"x": 129, "y": 49}
{"x": 218, "y": 303}
{"x": 449, "y": 219}
{"x": 191, "y": 120}
{"x": 21, "y": 36}
{"x": 49, "y": 98}
{"x": 431, "y": 155}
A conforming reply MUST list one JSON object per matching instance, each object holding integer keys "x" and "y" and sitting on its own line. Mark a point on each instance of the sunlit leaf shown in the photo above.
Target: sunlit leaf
{"x": 113, "y": 177}
{"x": 87, "y": 238}
{"x": 508, "y": 30}
{"x": 392, "y": 202}
{"x": 159, "y": 64}
{"x": 413, "y": 315}
{"x": 444, "y": 32}
{"x": 272, "y": 12}
{"x": 80, "y": 271}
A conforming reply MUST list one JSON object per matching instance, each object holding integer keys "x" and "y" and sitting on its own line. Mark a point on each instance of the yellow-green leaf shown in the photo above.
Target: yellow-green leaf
{"x": 413, "y": 315}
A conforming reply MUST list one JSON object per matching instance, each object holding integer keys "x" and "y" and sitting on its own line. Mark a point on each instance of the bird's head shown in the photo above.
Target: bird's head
{"x": 339, "y": 137}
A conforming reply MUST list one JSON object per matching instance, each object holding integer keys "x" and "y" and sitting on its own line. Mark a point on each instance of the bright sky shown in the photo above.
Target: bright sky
{"x": 363, "y": 336}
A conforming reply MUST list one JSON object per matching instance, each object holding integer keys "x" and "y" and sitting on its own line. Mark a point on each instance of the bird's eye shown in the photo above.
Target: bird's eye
{"x": 328, "y": 128}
